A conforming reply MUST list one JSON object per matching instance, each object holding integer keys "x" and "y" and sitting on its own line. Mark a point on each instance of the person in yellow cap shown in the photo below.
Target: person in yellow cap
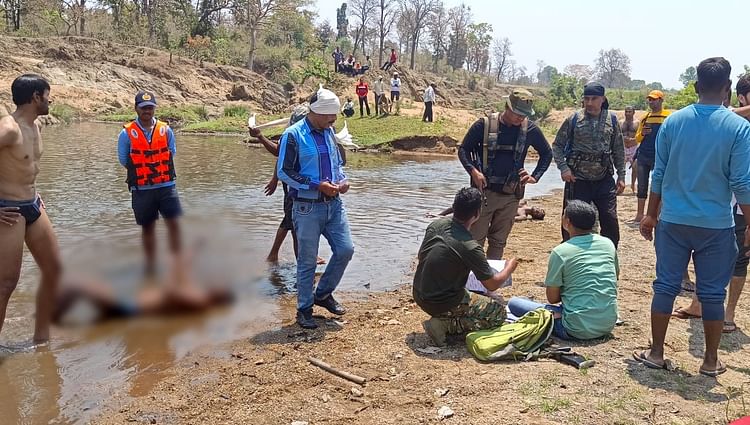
{"x": 493, "y": 153}
{"x": 648, "y": 129}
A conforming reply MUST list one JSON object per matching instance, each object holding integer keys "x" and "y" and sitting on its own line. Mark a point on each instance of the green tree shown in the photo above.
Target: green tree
{"x": 690, "y": 75}
{"x": 478, "y": 39}
{"x": 686, "y": 96}
{"x": 564, "y": 91}
{"x": 547, "y": 75}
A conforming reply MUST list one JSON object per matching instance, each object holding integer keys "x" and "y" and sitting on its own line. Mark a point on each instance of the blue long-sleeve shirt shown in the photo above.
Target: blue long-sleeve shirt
{"x": 123, "y": 150}
{"x": 702, "y": 157}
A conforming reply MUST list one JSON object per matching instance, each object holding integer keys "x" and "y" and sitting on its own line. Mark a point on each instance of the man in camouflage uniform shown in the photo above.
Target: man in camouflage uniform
{"x": 447, "y": 255}
{"x": 587, "y": 149}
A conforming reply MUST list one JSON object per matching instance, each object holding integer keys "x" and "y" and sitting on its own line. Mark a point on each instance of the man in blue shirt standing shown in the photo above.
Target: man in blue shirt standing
{"x": 702, "y": 157}
{"x": 146, "y": 148}
{"x": 311, "y": 165}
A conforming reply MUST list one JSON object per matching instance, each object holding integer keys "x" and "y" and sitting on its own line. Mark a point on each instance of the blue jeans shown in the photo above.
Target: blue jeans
{"x": 519, "y": 306}
{"x": 714, "y": 253}
{"x": 311, "y": 220}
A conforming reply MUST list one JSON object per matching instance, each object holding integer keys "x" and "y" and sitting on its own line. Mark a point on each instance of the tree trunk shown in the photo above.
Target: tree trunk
{"x": 253, "y": 42}
{"x": 82, "y": 22}
{"x": 414, "y": 42}
{"x": 380, "y": 50}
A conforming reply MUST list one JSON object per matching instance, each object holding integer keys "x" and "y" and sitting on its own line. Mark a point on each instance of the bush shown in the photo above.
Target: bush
{"x": 63, "y": 112}
{"x": 564, "y": 91}
{"x": 619, "y": 99}
{"x": 237, "y": 111}
{"x": 472, "y": 83}
{"x": 682, "y": 98}
{"x": 542, "y": 109}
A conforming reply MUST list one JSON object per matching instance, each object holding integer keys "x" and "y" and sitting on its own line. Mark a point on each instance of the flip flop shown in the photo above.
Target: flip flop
{"x": 729, "y": 327}
{"x": 681, "y": 313}
{"x": 714, "y": 373}
{"x": 641, "y": 358}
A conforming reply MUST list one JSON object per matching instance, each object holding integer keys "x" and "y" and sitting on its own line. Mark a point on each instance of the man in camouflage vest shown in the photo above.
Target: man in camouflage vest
{"x": 587, "y": 149}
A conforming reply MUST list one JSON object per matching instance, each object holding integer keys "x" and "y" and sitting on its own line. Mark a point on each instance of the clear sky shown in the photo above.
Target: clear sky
{"x": 662, "y": 38}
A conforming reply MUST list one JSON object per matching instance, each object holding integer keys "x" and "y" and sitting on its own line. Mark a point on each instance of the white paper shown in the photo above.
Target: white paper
{"x": 473, "y": 284}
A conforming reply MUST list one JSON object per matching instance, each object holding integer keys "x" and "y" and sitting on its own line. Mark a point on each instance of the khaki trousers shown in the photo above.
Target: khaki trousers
{"x": 495, "y": 222}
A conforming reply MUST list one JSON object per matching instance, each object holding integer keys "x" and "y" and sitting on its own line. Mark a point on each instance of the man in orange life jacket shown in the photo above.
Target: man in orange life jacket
{"x": 146, "y": 148}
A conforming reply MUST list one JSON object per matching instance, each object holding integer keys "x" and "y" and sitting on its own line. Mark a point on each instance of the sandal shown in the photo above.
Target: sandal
{"x": 714, "y": 373}
{"x": 642, "y": 358}
{"x": 729, "y": 327}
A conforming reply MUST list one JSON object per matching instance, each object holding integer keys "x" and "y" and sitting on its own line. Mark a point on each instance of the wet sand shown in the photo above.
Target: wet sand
{"x": 267, "y": 378}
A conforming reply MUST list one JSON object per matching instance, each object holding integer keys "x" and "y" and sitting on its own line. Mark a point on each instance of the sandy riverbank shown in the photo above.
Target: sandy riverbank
{"x": 268, "y": 379}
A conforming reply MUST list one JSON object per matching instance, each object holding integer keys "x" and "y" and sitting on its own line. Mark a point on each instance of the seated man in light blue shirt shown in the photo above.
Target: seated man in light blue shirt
{"x": 702, "y": 157}
{"x": 146, "y": 148}
{"x": 582, "y": 275}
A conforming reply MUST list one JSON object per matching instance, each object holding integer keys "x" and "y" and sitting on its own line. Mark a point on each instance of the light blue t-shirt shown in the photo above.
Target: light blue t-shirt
{"x": 585, "y": 268}
{"x": 123, "y": 150}
{"x": 702, "y": 157}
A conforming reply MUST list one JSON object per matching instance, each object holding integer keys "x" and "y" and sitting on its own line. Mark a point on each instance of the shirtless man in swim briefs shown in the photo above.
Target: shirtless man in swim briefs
{"x": 22, "y": 214}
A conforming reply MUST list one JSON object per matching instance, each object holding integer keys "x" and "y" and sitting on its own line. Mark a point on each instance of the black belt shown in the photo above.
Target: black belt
{"x": 321, "y": 198}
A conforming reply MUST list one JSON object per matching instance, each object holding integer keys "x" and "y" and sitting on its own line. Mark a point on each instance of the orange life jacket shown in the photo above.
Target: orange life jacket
{"x": 149, "y": 163}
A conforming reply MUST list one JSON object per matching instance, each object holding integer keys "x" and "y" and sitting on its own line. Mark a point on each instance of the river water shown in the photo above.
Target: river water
{"x": 221, "y": 187}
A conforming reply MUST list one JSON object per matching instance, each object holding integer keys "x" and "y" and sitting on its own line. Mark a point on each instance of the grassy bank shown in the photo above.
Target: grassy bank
{"x": 367, "y": 131}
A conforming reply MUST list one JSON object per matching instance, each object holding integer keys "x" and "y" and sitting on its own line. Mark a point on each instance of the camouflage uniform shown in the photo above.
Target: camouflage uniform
{"x": 596, "y": 150}
{"x": 476, "y": 312}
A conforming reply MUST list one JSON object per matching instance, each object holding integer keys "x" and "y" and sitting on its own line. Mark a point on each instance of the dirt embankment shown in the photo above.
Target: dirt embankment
{"x": 95, "y": 76}
{"x": 268, "y": 379}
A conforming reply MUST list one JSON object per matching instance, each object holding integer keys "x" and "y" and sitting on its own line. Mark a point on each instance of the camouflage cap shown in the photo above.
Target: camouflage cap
{"x": 520, "y": 102}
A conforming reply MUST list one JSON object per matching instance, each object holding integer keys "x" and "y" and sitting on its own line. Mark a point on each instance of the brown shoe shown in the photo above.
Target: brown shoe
{"x": 436, "y": 329}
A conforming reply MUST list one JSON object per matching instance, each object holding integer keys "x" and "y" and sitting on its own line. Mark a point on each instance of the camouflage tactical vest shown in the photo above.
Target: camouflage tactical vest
{"x": 589, "y": 155}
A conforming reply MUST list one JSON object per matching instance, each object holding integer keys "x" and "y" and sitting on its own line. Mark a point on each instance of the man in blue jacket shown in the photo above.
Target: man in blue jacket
{"x": 311, "y": 165}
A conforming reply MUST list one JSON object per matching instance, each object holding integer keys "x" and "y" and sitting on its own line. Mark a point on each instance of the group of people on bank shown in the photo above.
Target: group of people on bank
{"x": 700, "y": 190}
{"x": 699, "y": 158}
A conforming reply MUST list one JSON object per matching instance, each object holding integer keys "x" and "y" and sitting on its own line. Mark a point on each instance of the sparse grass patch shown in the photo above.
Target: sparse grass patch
{"x": 63, "y": 112}
{"x": 552, "y": 406}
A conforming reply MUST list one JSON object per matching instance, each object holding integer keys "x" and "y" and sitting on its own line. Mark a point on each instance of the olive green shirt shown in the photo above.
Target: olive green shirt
{"x": 447, "y": 255}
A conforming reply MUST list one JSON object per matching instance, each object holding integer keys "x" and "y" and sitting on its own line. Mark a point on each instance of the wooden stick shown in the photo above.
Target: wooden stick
{"x": 328, "y": 368}
{"x": 274, "y": 123}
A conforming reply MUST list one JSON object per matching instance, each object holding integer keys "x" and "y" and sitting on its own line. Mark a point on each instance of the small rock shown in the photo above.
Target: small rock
{"x": 398, "y": 356}
{"x": 389, "y": 322}
{"x": 299, "y": 423}
{"x": 392, "y": 371}
{"x": 326, "y": 398}
{"x": 356, "y": 392}
{"x": 563, "y": 386}
{"x": 380, "y": 311}
{"x": 440, "y": 392}
{"x": 445, "y": 412}
{"x": 259, "y": 362}
{"x": 524, "y": 410}
{"x": 674, "y": 411}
